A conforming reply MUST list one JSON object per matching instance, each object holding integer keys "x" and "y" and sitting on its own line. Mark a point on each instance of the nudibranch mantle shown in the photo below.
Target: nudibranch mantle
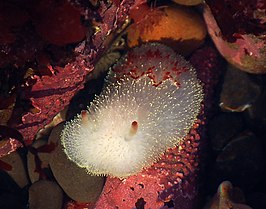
{"x": 150, "y": 101}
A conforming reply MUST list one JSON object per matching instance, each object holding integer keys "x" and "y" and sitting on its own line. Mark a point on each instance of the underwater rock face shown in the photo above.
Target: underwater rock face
{"x": 238, "y": 30}
{"x": 149, "y": 103}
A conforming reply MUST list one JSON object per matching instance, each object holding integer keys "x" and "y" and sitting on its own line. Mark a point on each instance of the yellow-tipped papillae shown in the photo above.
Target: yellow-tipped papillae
{"x": 132, "y": 122}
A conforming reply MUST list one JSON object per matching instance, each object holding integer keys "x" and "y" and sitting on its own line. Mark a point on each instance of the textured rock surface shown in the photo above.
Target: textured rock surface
{"x": 188, "y": 2}
{"x": 75, "y": 181}
{"x": 227, "y": 197}
{"x": 178, "y": 27}
{"x": 25, "y": 58}
{"x": 239, "y": 90}
{"x": 238, "y": 30}
{"x": 45, "y": 194}
{"x": 171, "y": 182}
{"x": 17, "y": 169}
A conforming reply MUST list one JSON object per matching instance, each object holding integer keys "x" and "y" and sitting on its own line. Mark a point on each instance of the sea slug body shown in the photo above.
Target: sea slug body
{"x": 150, "y": 101}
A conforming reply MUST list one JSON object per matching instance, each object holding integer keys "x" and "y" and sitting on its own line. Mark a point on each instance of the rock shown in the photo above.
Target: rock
{"x": 45, "y": 194}
{"x": 257, "y": 111}
{"x": 76, "y": 205}
{"x": 239, "y": 91}
{"x": 229, "y": 23}
{"x": 46, "y": 131}
{"x": 241, "y": 159}
{"x": 227, "y": 197}
{"x": 188, "y": 2}
{"x": 257, "y": 200}
{"x": 33, "y": 169}
{"x": 223, "y": 127}
{"x": 11, "y": 195}
{"x": 17, "y": 169}
{"x": 75, "y": 181}
{"x": 178, "y": 27}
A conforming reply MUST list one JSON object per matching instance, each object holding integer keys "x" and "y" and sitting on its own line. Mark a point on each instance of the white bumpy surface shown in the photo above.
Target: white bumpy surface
{"x": 102, "y": 143}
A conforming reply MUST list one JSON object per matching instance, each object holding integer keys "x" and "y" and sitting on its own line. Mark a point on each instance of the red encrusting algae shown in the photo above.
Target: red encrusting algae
{"x": 173, "y": 181}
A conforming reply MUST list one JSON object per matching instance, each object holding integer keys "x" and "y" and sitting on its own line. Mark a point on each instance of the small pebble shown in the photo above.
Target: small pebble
{"x": 227, "y": 197}
{"x": 256, "y": 114}
{"x": 75, "y": 181}
{"x": 239, "y": 91}
{"x": 17, "y": 171}
{"x": 178, "y": 27}
{"x": 45, "y": 195}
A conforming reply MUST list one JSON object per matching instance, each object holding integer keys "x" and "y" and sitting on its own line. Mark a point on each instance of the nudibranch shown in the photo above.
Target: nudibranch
{"x": 150, "y": 100}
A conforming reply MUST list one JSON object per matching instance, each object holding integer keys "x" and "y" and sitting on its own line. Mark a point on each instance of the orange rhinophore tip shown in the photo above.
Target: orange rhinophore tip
{"x": 134, "y": 128}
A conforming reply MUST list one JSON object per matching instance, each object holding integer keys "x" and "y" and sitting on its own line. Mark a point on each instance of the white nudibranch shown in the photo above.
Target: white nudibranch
{"x": 150, "y": 101}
